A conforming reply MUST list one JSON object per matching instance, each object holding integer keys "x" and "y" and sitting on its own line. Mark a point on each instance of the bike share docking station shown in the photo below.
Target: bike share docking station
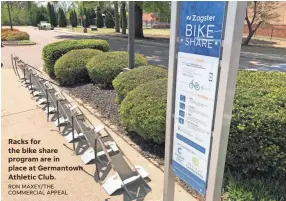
{"x": 93, "y": 143}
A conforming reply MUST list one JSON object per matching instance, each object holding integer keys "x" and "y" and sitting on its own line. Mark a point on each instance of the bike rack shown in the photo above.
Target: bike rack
{"x": 102, "y": 148}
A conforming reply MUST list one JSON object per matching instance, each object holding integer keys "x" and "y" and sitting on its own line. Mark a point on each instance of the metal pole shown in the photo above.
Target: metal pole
{"x": 131, "y": 33}
{"x": 73, "y": 142}
{"x": 169, "y": 176}
{"x": 48, "y": 104}
{"x": 225, "y": 96}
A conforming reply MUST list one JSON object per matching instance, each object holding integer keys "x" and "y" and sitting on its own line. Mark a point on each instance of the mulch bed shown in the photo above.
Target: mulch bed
{"x": 103, "y": 101}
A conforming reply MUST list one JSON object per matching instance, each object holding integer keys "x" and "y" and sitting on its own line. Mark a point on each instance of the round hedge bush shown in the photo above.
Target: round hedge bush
{"x": 143, "y": 110}
{"x": 53, "y": 51}
{"x": 127, "y": 81}
{"x": 70, "y": 69}
{"x": 256, "y": 146}
{"x": 104, "y": 68}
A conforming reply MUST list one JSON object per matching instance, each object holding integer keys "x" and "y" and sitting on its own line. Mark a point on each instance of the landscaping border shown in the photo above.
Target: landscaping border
{"x": 16, "y": 43}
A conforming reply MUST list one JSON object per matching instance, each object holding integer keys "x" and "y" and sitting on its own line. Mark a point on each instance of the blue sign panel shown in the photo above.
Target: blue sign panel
{"x": 201, "y": 25}
{"x": 200, "y": 34}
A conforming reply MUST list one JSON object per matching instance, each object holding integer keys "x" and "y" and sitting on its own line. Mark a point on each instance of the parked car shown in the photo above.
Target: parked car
{"x": 44, "y": 25}
{"x": 272, "y": 68}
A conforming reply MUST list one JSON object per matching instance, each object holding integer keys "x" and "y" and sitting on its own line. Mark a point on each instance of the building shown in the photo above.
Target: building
{"x": 281, "y": 11}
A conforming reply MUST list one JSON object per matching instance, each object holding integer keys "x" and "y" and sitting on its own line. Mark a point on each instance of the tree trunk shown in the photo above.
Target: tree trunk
{"x": 251, "y": 33}
{"x": 10, "y": 19}
{"x": 117, "y": 28}
{"x": 138, "y": 21}
{"x": 248, "y": 38}
{"x": 124, "y": 19}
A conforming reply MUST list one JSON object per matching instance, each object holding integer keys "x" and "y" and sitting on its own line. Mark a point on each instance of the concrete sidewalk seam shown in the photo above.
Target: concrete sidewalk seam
{"x": 15, "y": 113}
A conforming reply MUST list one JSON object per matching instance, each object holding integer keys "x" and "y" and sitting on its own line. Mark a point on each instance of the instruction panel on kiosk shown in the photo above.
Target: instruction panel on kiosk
{"x": 200, "y": 36}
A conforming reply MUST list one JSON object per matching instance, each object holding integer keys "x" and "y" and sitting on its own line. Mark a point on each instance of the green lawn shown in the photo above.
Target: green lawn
{"x": 110, "y": 31}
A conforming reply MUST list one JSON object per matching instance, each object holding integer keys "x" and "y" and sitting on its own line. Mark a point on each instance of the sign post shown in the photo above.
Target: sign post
{"x": 202, "y": 93}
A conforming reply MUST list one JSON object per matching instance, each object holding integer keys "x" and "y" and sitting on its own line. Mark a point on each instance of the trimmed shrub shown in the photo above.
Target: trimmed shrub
{"x": 52, "y": 52}
{"x": 143, "y": 110}
{"x": 245, "y": 189}
{"x": 70, "y": 69}
{"x": 15, "y": 35}
{"x": 258, "y": 128}
{"x": 129, "y": 80}
{"x": 256, "y": 146}
{"x": 104, "y": 68}
{"x": 8, "y": 29}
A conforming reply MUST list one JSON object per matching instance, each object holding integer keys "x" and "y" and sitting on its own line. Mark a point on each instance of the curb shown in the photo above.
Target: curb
{"x": 271, "y": 57}
{"x": 16, "y": 43}
{"x": 137, "y": 41}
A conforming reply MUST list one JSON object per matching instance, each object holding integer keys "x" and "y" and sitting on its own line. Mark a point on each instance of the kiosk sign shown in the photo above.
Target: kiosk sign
{"x": 200, "y": 36}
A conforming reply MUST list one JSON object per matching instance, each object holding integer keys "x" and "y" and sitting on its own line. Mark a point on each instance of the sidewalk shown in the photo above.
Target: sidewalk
{"x": 21, "y": 119}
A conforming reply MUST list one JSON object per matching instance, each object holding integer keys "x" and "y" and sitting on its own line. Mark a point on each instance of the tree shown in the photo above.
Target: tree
{"x": 99, "y": 18}
{"x": 116, "y": 14}
{"x": 91, "y": 15}
{"x": 258, "y": 13}
{"x": 62, "y": 18}
{"x": 55, "y": 17}
{"x": 73, "y": 18}
{"x": 109, "y": 22}
{"x": 52, "y": 14}
{"x": 124, "y": 18}
{"x": 138, "y": 19}
{"x": 38, "y": 14}
{"x": 109, "y": 17}
{"x": 162, "y": 9}
{"x": 86, "y": 19}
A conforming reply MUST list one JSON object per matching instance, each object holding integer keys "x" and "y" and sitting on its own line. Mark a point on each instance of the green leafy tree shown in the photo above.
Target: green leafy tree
{"x": 91, "y": 16}
{"x": 75, "y": 18}
{"x": 62, "y": 20}
{"x": 19, "y": 12}
{"x": 86, "y": 20}
{"x": 52, "y": 15}
{"x": 109, "y": 17}
{"x": 162, "y": 9}
{"x": 38, "y": 14}
{"x": 258, "y": 13}
{"x": 109, "y": 22}
{"x": 99, "y": 18}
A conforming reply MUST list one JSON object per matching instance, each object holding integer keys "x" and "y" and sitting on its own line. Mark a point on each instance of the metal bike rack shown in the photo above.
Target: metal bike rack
{"x": 102, "y": 148}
